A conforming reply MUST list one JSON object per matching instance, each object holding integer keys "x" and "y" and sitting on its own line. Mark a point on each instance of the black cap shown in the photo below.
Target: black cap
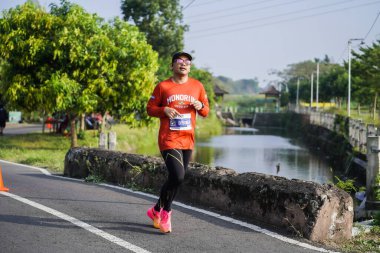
{"x": 179, "y": 54}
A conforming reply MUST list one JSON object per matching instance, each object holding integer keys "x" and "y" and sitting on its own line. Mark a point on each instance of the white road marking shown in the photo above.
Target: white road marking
{"x": 212, "y": 214}
{"x": 79, "y": 223}
{"x": 43, "y": 171}
{"x": 231, "y": 220}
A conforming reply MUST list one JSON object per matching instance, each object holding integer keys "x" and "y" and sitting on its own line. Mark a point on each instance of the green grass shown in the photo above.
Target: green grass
{"x": 37, "y": 149}
{"x": 364, "y": 115}
{"x": 48, "y": 150}
{"x": 364, "y": 242}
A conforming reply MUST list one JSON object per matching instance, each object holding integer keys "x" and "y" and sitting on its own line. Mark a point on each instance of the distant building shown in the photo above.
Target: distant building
{"x": 219, "y": 93}
{"x": 271, "y": 91}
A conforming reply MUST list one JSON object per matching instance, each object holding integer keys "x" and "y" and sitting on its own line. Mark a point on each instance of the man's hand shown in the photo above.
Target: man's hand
{"x": 171, "y": 112}
{"x": 197, "y": 105}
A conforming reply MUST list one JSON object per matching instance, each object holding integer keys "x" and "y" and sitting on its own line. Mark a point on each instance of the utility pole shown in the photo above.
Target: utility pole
{"x": 317, "y": 95}
{"x": 311, "y": 91}
{"x": 349, "y": 76}
{"x": 298, "y": 90}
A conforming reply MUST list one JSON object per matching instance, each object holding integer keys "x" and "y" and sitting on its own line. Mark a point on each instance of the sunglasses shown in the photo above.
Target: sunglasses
{"x": 180, "y": 61}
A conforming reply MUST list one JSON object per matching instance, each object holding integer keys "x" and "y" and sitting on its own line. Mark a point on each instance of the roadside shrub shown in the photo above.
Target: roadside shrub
{"x": 348, "y": 185}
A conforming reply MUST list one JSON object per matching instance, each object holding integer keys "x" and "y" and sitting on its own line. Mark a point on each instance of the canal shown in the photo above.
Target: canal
{"x": 268, "y": 151}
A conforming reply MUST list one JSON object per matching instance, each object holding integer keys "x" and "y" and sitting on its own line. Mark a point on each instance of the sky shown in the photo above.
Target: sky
{"x": 246, "y": 39}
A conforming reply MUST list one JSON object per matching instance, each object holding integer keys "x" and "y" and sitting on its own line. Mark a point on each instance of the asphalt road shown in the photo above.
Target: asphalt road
{"x": 50, "y": 213}
{"x": 16, "y": 128}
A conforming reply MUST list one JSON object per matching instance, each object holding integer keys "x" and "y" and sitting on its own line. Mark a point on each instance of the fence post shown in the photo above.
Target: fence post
{"x": 112, "y": 140}
{"x": 373, "y": 173}
{"x": 103, "y": 140}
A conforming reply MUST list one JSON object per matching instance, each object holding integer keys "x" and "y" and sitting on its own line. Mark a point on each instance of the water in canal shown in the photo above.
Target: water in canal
{"x": 264, "y": 151}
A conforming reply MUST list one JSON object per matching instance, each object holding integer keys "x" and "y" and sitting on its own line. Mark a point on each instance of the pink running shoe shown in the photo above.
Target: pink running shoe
{"x": 166, "y": 224}
{"x": 155, "y": 216}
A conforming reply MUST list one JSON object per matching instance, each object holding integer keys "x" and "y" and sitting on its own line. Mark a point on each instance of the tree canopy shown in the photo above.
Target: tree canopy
{"x": 333, "y": 78}
{"x": 160, "y": 20}
{"x": 70, "y": 60}
{"x": 366, "y": 72}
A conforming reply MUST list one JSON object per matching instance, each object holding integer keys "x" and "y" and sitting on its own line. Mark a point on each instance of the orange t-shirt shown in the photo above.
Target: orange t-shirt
{"x": 177, "y": 133}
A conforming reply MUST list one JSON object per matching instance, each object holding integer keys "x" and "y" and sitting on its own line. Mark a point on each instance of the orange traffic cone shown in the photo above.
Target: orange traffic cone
{"x": 2, "y": 187}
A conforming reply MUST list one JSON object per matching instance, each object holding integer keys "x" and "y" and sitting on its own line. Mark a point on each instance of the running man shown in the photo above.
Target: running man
{"x": 176, "y": 101}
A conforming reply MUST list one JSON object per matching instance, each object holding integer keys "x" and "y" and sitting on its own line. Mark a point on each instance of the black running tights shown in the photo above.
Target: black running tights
{"x": 176, "y": 161}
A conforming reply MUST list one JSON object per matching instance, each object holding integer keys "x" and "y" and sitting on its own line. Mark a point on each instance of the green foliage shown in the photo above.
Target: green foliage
{"x": 364, "y": 242}
{"x": 333, "y": 79}
{"x": 209, "y": 126}
{"x": 81, "y": 135}
{"x": 376, "y": 188}
{"x": 332, "y": 82}
{"x": 94, "y": 178}
{"x": 348, "y": 185}
{"x": 244, "y": 103}
{"x": 131, "y": 84}
{"x": 164, "y": 69}
{"x": 69, "y": 60}
{"x": 160, "y": 21}
{"x": 365, "y": 72}
{"x": 24, "y": 34}
{"x": 376, "y": 220}
{"x": 206, "y": 79}
{"x": 284, "y": 99}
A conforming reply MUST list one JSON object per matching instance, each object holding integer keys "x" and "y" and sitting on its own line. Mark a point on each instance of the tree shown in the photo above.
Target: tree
{"x": 72, "y": 61}
{"x": 301, "y": 72}
{"x": 207, "y": 80}
{"x": 334, "y": 84}
{"x": 132, "y": 79}
{"x": 160, "y": 20}
{"x": 24, "y": 34}
{"x": 298, "y": 71}
{"x": 366, "y": 74}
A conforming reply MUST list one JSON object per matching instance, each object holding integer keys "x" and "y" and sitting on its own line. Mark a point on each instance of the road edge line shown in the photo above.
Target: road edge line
{"x": 209, "y": 213}
{"x": 109, "y": 237}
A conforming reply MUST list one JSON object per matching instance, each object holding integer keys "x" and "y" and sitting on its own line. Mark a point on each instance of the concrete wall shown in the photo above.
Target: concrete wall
{"x": 316, "y": 212}
{"x": 334, "y": 135}
{"x": 355, "y": 131}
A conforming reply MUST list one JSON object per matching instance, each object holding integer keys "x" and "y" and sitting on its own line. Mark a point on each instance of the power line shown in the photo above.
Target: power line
{"x": 188, "y": 5}
{"x": 345, "y": 52}
{"x": 207, "y": 3}
{"x": 248, "y": 11}
{"x": 374, "y": 22}
{"x": 346, "y": 48}
{"x": 233, "y": 8}
{"x": 283, "y": 21}
{"x": 270, "y": 17}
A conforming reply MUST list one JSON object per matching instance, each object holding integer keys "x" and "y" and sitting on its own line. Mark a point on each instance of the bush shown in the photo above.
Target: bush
{"x": 348, "y": 185}
{"x": 376, "y": 219}
{"x": 81, "y": 135}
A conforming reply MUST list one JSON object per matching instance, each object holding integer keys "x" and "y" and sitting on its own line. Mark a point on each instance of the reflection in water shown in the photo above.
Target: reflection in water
{"x": 250, "y": 150}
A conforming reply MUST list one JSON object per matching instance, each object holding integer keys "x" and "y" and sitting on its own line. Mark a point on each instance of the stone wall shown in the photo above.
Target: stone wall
{"x": 356, "y": 131}
{"x": 333, "y": 135}
{"x": 316, "y": 212}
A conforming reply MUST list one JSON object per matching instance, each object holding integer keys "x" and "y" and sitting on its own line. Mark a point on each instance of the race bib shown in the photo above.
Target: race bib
{"x": 181, "y": 123}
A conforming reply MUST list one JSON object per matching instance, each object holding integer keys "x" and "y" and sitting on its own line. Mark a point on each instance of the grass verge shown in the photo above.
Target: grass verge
{"x": 48, "y": 150}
